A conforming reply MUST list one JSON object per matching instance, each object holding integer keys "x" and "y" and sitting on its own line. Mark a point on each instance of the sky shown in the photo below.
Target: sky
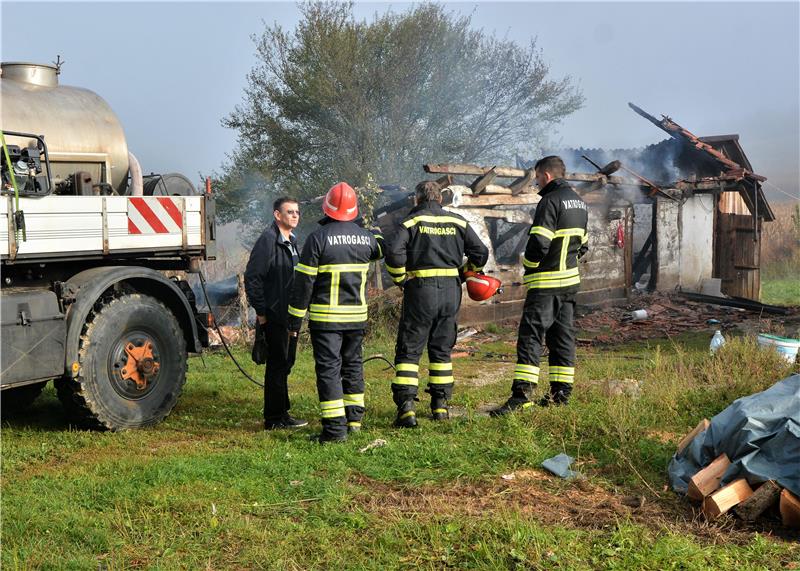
{"x": 172, "y": 71}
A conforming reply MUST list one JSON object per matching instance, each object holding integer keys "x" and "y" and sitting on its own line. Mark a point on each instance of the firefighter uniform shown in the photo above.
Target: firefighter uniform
{"x": 557, "y": 239}
{"x": 330, "y": 287}
{"x": 426, "y": 258}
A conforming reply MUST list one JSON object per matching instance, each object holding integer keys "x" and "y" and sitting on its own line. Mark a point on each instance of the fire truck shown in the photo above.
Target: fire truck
{"x": 95, "y": 257}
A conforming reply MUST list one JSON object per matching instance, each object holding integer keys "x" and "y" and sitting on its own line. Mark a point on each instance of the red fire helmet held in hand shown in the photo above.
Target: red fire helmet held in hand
{"x": 341, "y": 202}
{"x": 481, "y": 287}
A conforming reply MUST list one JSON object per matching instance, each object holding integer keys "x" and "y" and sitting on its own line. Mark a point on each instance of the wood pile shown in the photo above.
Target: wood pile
{"x": 738, "y": 497}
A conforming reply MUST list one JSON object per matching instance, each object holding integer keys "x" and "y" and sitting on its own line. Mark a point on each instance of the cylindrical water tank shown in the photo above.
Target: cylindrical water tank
{"x": 81, "y": 131}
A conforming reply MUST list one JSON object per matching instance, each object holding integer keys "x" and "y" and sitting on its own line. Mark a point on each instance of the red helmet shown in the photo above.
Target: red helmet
{"x": 481, "y": 287}
{"x": 341, "y": 202}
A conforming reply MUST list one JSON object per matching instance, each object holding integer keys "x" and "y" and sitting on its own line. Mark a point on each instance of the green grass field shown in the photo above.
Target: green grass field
{"x": 780, "y": 280}
{"x": 781, "y": 291}
{"x": 207, "y": 489}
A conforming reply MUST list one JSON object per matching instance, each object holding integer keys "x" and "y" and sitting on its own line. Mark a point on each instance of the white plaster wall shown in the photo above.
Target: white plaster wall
{"x": 668, "y": 234}
{"x": 697, "y": 241}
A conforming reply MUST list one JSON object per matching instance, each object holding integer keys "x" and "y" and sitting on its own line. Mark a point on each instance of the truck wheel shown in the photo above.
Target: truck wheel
{"x": 132, "y": 358}
{"x": 18, "y": 399}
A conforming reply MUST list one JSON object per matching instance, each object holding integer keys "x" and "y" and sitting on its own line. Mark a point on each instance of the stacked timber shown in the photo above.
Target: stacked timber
{"x": 739, "y": 497}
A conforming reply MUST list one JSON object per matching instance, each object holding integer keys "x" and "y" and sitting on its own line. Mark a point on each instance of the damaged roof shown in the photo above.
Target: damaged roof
{"x": 722, "y": 153}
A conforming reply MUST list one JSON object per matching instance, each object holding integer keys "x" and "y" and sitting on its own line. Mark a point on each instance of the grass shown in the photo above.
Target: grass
{"x": 207, "y": 489}
{"x": 780, "y": 255}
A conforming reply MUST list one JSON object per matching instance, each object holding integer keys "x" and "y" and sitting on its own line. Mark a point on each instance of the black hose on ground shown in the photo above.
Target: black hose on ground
{"x": 227, "y": 349}
{"x": 221, "y": 336}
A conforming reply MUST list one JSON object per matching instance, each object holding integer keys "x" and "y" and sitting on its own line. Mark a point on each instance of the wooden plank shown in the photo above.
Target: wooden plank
{"x": 509, "y": 172}
{"x": 456, "y": 168}
{"x": 521, "y": 183}
{"x": 701, "y": 426}
{"x": 498, "y": 200}
{"x": 491, "y": 189}
{"x": 707, "y": 479}
{"x": 726, "y": 497}
{"x": 444, "y": 181}
{"x": 790, "y": 509}
{"x": 480, "y": 183}
{"x": 762, "y": 499}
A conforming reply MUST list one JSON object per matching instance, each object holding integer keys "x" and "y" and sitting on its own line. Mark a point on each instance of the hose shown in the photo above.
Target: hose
{"x": 222, "y": 337}
{"x": 230, "y": 354}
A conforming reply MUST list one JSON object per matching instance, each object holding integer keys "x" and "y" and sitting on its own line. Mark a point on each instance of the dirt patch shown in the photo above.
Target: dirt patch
{"x": 578, "y": 504}
{"x": 490, "y": 373}
{"x": 664, "y": 437}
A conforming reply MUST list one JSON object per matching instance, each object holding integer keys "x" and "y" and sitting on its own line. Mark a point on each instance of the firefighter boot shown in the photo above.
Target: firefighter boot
{"x": 559, "y": 394}
{"x": 333, "y": 430}
{"x": 406, "y": 415}
{"x": 521, "y": 394}
{"x": 439, "y": 410}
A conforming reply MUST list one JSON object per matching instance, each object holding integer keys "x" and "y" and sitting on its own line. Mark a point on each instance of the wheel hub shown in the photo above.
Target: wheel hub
{"x": 141, "y": 365}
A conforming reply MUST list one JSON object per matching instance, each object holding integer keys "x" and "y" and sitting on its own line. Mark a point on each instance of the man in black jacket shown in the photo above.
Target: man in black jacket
{"x": 330, "y": 287}
{"x": 268, "y": 280}
{"x": 426, "y": 258}
{"x": 557, "y": 240}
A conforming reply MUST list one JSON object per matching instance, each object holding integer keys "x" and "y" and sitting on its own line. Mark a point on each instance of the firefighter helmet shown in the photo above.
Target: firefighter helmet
{"x": 481, "y": 287}
{"x": 341, "y": 202}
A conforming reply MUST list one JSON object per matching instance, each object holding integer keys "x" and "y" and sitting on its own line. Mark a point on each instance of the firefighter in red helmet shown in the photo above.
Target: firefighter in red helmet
{"x": 329, "y": 286}
{"x": 426, "y": 257}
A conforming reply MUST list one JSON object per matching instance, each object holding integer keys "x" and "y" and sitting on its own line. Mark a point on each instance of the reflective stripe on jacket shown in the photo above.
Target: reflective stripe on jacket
{"x": 432, "y": 242}
{"x": 331, "y": 278}
{"x": 557, "y": 239}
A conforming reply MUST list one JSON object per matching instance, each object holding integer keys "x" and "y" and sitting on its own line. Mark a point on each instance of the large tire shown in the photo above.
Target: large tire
{"x": 100, "y": 396}
{"x": 16, "y": 400}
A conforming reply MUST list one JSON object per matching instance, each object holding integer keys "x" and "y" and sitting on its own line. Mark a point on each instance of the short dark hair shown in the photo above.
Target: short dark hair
{"x": 281, "y": 201}
{"x": 552, "y": 164}
{"x": 428, "y": 190}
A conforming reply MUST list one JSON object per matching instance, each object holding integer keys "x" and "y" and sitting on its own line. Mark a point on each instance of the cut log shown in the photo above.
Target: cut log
{"x": 726, "y": 497}
{"x": 689, "y": 437}
{"x": 761, "y": 500}
{"x": 707, "y": 479}
{"x": 790, "y": 509}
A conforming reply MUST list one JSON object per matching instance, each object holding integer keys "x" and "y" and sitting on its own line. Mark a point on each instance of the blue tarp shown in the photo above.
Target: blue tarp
{"x": 759, "y": 433}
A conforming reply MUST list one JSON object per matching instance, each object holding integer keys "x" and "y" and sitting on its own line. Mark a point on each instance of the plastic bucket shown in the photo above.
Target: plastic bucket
{"x": 786, "y": 348}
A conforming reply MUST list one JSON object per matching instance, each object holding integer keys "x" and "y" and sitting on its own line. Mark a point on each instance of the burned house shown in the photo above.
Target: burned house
{"x": 683, "y": 214}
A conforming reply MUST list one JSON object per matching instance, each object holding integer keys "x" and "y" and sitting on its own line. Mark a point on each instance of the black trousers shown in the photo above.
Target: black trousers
{"x": 546, "y": 320}
{"x": 430, "y": 310}
{"x": 276, "y": 375}
{"x": 340, "y": 378}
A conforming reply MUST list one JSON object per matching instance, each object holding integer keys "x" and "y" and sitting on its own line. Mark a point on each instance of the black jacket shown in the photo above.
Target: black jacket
{"x": 331, "y": 279}
{"x": 557, "y": 239}
{"x": 269, "y": 274}
{"x": 432, "y": 242}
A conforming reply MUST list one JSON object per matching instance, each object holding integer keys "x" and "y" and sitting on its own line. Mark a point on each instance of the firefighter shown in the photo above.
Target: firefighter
{"x": 557, "y": 240}
{"x": 426, "y": 258}
{"x": 267, "y": 281}
{"x": 330, "y": 286}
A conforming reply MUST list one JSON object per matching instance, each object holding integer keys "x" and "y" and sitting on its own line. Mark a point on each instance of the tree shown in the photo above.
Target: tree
{"x": 336, "y": 99}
